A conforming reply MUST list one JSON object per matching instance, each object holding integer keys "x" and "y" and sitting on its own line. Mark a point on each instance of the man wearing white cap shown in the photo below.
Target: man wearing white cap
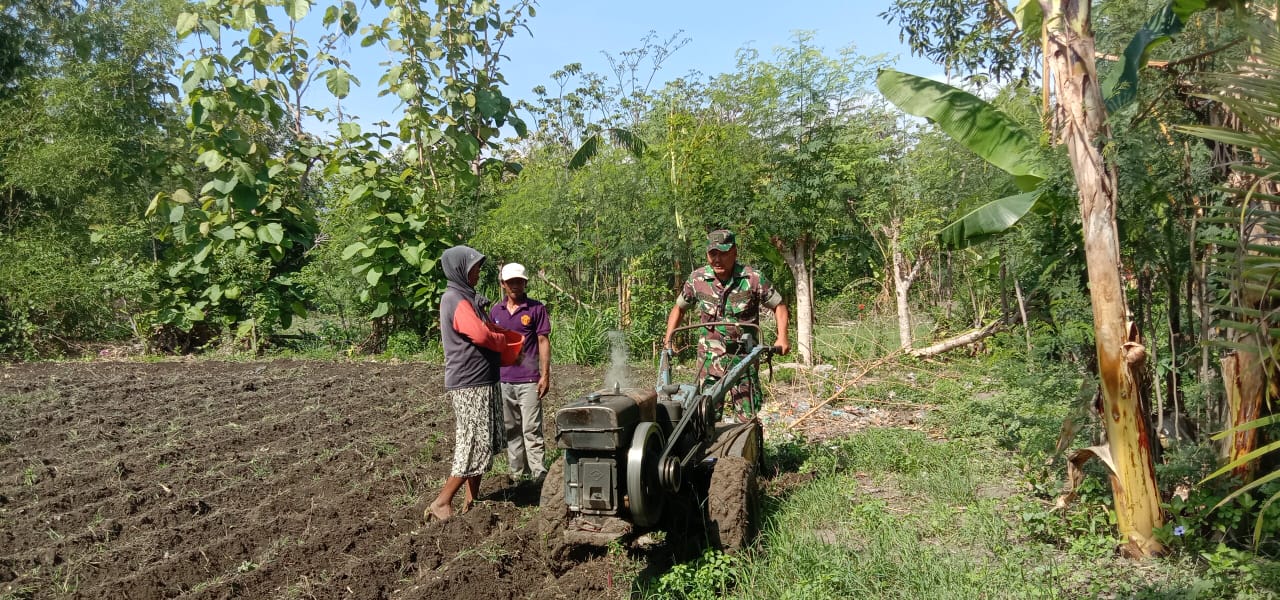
{"x": 525, "y": 383}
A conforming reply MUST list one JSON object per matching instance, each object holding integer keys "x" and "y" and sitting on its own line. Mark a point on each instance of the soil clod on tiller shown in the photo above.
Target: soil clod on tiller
{"x": 640, "y": 459}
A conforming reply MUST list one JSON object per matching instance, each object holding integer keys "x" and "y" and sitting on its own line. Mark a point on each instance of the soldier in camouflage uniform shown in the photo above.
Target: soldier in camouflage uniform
{"x": 727, "y": 291}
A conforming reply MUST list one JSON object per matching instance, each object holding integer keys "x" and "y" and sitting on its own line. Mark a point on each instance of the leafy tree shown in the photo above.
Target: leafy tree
{"x": 85, "y": 91}
{"x": 934, "y": 178}
{"x": 259, "y": 165}
{"x": 802, "y": 107}
{"x": 598, "y": 226}
{"x": 235, "y": 244}
{"x": 978, "y": 38}
{"x": 87, "y": 100}
{"x": 448, "y": 75}
{"x": 709, "y": 161}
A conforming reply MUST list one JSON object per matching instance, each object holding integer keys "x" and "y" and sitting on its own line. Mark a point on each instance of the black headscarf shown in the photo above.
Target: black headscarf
{"x": 457, "y": 262}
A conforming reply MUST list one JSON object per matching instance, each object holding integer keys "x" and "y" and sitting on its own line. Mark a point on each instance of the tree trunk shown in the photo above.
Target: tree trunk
{"x": 1172, "y": 380}
{"x": 1198, "y": 303}
{"x": 624, "y": 297}
{"x": 1004, "y": 288}
{"x": 903, "y": 276}
{"x": 947, "y": 293}
{"x": 796, "y": 254}
{"x": 1022, "y": 312}
{"x": 1242, "y": 376}
{"x": 1244, "y": 373}
{"x": 1070, "y": 51}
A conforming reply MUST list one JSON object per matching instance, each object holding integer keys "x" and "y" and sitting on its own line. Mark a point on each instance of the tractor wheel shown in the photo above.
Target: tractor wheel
{"x": 553, "y": 513}
{"x": 733, "y": 503}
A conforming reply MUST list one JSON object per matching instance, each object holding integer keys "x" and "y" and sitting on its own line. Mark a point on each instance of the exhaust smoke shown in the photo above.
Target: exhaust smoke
{"x": 619, "y": 374}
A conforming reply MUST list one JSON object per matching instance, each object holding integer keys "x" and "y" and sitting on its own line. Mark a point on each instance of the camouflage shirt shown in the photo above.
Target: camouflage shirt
{"x": 737, "y": 301}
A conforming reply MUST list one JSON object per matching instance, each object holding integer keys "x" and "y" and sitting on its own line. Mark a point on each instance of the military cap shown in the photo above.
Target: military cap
{"x": 721, "y": 239}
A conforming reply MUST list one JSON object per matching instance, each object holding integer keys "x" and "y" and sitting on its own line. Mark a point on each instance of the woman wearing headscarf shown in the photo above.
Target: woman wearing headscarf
{"x": 472, "y": 351}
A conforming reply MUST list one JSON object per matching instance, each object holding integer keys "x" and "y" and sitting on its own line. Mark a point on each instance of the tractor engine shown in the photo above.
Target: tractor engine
{"x": 612, "y": 440}
{"x": 632, "y": 453}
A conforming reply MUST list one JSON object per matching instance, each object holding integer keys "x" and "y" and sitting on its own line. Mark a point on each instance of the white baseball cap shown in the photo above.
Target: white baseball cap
{"x": 512, "y": 271}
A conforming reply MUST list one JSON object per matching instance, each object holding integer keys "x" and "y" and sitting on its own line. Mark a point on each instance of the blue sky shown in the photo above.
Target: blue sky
{"x": 578, "y": 30}
{"x": 567, "y": 31}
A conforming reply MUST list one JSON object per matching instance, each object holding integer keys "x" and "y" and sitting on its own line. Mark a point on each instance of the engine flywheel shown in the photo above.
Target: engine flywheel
{"x": 644, "y": 490}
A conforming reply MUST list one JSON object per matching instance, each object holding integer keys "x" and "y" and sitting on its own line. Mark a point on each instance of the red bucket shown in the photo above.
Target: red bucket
{"x": 511, "y": 351}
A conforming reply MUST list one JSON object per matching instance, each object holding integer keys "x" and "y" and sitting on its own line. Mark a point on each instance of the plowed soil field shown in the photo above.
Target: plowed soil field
{"x": 280, "y": 479}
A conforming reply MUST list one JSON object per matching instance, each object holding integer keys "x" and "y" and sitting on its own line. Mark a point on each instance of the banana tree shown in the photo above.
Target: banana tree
{"x": 1065, "y": 30}
{"x": 590, "y": 147}
{"x": 989, "y": 133}
{"x": 1069, "y": 49}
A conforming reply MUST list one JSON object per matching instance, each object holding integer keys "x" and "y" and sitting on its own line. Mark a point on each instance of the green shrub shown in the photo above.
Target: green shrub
{"x": 18, "y": 335}
{"x": 55, "y": 291}
{"x": 709, "y": 578}
{"x": 1025, "y": 413}
{"x": 580, "y": 338}
{"x": 404, "y": 344}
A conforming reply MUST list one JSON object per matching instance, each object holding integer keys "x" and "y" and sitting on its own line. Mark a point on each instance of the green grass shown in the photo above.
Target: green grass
{"x": 581, "y": 338}
{"x": 893, "y": 515}
{"x": 964, "y": 512}
{"x": 869, "y": 337}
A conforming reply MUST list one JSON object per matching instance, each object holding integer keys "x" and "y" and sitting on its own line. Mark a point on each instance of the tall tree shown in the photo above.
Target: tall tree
{"x": 87, "y": 100}
{"x": 87, "y": 96}
{"x": 800, "y": 106}
{"x": 1121, "y": 357}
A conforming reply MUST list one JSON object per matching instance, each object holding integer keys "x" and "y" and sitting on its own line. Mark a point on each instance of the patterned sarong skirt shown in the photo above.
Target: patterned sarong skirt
{"x": 477, "y": 432}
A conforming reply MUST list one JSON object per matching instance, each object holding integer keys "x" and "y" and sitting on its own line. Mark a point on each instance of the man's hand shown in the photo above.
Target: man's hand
{"x": 783, "y": 317}
{"x": 544, "y": 386}
{"x": 673, "y": 320}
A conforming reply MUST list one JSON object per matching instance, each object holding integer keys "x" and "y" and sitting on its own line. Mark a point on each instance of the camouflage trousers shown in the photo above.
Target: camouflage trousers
{"x": 745, "y": 399}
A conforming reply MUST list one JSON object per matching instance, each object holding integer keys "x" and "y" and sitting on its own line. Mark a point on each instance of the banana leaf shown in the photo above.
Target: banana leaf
{"x": 1029, "y": 16}
{"x": 1121, "y": 85}
{"x": 989, "y": 219}
{"x": 969, "y": 120}
{"x": 590, "y": 147}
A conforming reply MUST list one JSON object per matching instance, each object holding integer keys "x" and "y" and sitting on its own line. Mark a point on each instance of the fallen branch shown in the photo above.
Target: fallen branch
{"x": 543, "y": 276}
{"x": 836, "y": 394}
{"x": 917, "y": 405}
{"x": 963, "y": 339}
{"x": 799, "y": 366}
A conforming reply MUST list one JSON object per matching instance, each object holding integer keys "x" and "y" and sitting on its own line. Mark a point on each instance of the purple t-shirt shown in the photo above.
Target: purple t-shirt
{"x": 530, "y": 320}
